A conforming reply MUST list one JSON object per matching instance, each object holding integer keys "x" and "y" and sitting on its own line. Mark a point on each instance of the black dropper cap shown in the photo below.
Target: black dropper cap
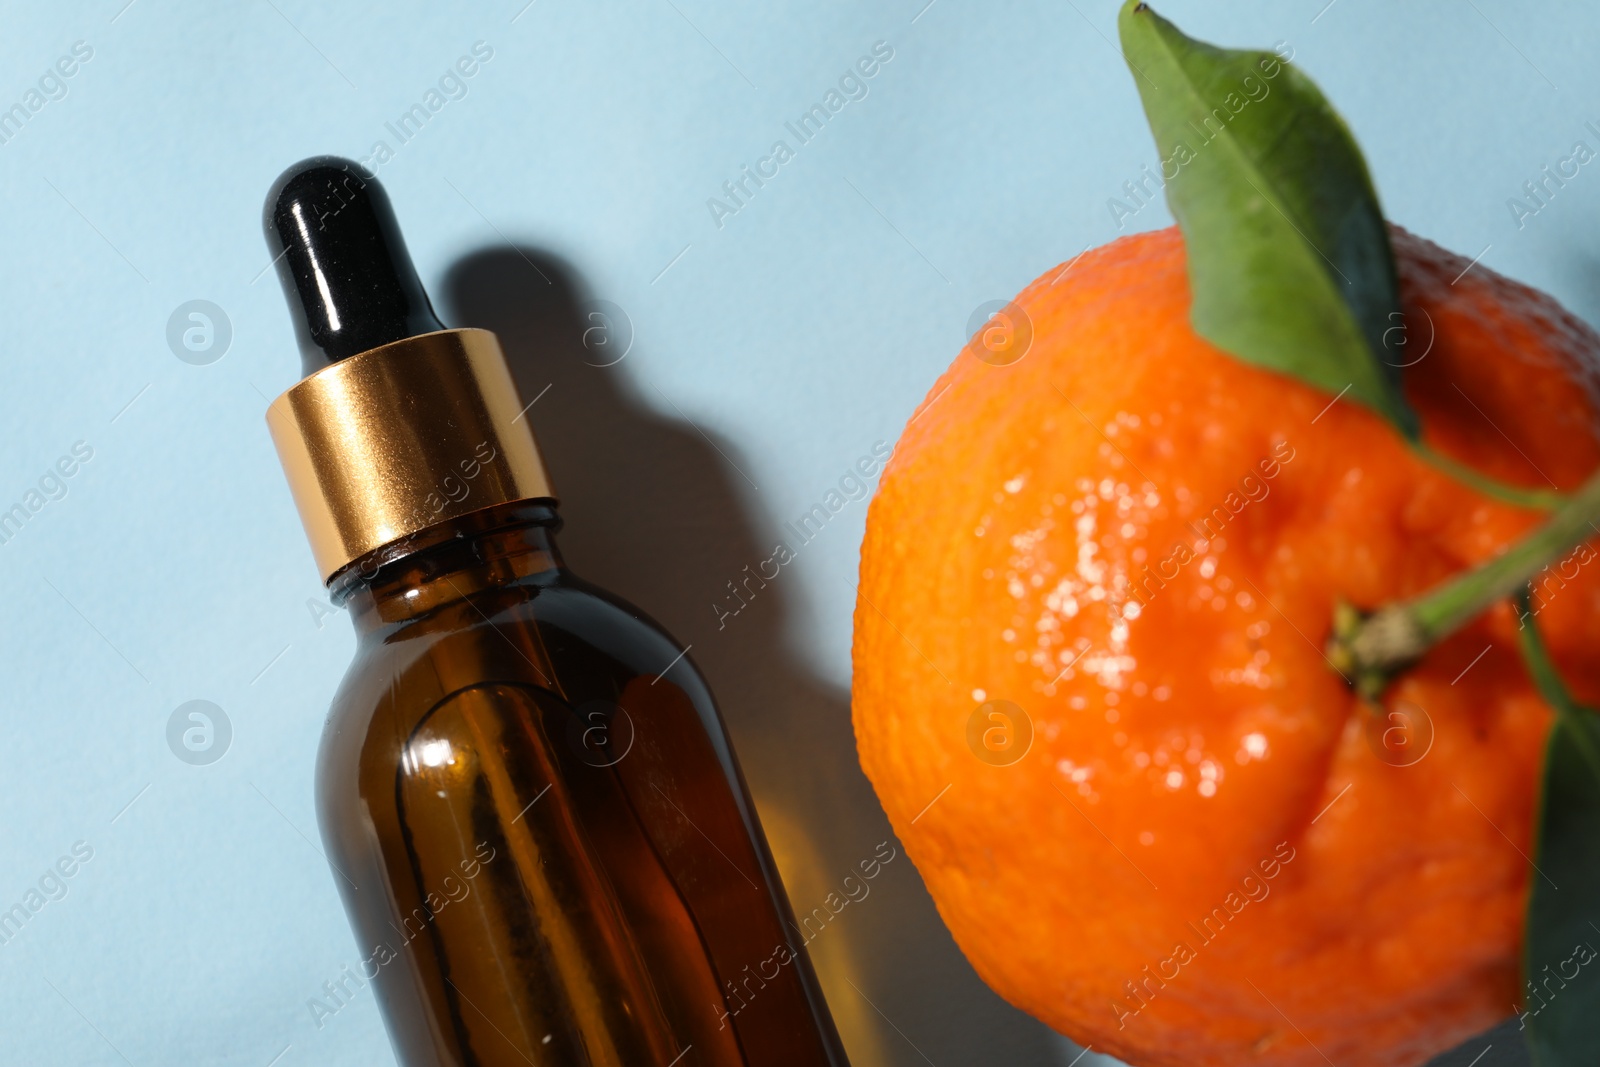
{"x": 344, "y": 266}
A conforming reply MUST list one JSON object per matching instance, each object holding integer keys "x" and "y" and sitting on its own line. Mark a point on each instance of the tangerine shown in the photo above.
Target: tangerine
{"x": 1175, "y": 834}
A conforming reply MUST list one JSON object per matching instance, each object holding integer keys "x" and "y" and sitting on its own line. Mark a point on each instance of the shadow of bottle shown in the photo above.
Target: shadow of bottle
{"x": 653, "y": 512}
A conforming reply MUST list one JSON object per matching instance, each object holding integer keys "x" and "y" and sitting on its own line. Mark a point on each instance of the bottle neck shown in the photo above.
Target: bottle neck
{"x": 447, "y": 562}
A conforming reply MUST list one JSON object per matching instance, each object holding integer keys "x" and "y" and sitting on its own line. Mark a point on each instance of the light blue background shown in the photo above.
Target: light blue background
{"x": 803, "y": 330}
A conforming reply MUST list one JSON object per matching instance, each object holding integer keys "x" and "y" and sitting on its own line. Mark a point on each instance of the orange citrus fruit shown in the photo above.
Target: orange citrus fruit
{"x": 1090, "y": 689}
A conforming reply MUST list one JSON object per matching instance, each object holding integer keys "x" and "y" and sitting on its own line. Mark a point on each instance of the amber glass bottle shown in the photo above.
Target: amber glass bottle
{"x": 544, "y": 843}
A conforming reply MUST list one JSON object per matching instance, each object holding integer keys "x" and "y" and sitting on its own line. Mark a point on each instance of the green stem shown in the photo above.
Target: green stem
{"x": 1539, "y": 499}
{"x": 1370, "y": 650}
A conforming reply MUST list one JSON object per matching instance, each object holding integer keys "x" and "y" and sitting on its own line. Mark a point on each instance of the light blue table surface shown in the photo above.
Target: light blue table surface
{"x": 772, "y": 346}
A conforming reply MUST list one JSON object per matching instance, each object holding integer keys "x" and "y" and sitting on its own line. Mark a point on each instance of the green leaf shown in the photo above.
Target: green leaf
{"x": 1561, "y": 957}
{"x": 1289, "y": 257}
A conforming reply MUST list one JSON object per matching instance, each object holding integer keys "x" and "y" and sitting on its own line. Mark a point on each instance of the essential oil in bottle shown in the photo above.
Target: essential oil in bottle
{"x": 530, "y": 803}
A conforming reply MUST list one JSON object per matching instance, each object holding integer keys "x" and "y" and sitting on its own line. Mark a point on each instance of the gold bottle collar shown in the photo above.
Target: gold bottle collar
{"x": 395, "y": 439}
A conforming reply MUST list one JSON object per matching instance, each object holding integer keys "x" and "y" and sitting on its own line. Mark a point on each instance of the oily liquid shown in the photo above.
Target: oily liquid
{"x": 544, "y": 844}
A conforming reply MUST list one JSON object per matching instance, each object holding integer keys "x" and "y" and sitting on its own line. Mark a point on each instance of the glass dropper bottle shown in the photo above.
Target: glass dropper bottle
{"x": 544, "y": 843}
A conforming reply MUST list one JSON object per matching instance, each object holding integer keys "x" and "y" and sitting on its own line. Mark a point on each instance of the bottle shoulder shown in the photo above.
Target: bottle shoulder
{"x": 578, "y": 617}
{"x": 562, "y": 636}
{"x": 594, "y": 678}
